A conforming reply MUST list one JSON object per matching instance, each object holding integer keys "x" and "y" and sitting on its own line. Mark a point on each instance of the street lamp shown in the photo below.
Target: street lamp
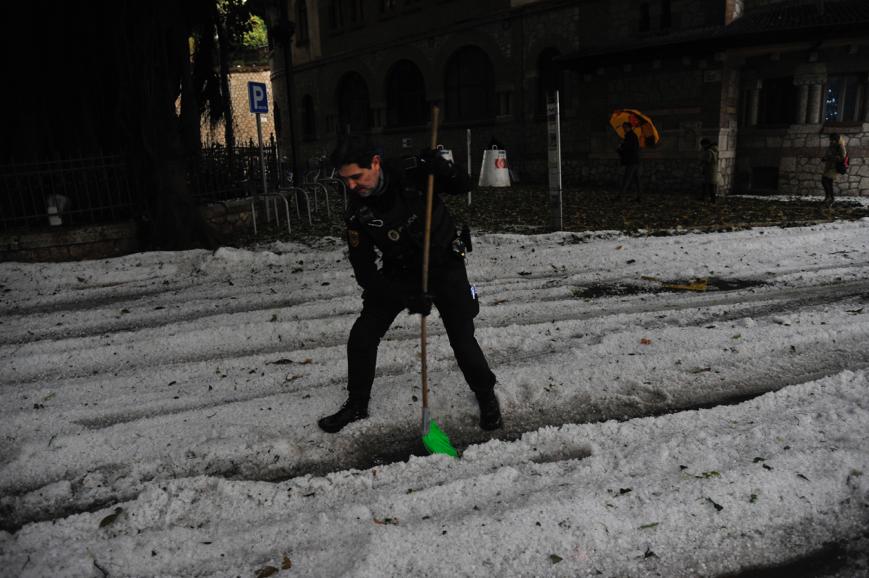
{"x": 283, "y": 31}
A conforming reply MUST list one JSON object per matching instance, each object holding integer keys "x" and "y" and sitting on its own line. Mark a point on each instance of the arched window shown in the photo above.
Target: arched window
{"x": 309, "y": 119}
{"x": 302, "y": 35}
{"x": 469, "y": 85}
{"x": 405, "y": 95}
{"x": 549, "y": 78}
{"x": 352, "y": 101}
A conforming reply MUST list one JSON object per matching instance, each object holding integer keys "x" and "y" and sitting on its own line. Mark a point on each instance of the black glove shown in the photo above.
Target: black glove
{"x": 420, "y": 304}
{"x": 433, "y": 163}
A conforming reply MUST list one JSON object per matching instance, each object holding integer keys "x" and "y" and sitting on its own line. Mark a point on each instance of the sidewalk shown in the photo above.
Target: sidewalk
{"x": 525, "y": 210}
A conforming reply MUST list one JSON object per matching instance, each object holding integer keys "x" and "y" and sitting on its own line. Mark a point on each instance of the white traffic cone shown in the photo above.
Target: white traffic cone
{"x": 494, "y": 171}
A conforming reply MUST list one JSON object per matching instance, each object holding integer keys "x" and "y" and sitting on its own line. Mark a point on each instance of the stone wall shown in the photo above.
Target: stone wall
{"x": 244, "y": 122}
{"x": 230, "y": 218}
{"x": 793, "y": 151}
{"x": 801, "y": 164}
{"x": 57, "y": 244}
{"x": 70, "y": 244}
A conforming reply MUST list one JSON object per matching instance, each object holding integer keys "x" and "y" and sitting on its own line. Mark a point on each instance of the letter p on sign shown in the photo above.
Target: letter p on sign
{"x": 258, "y": 97}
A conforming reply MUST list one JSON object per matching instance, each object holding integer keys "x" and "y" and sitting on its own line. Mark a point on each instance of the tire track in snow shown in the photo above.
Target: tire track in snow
{"x": 396, "y": 440}
{"x": 309, "y": 332}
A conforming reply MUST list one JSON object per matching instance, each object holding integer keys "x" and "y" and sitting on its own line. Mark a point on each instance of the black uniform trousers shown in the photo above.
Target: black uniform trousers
{"x": 452, "y": 296}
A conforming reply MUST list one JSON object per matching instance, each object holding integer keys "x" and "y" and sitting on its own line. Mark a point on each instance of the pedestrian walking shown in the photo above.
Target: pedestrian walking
{"x": 834, "y": 164}
{"x": 386, "y": 213}
{"x": 629, "y": 153}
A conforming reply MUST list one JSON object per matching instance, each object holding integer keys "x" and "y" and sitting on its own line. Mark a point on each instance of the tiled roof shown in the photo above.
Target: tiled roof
{"x": 784, "y": 22}
{"x": 804, "y": 14}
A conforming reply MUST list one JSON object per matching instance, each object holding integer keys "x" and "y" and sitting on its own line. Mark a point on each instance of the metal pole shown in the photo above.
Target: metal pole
{"x": 553, "y": 115}
{"x": 287, "y": 28}
{"x": 468, "y": 147}
{"x": 262, "y": 162}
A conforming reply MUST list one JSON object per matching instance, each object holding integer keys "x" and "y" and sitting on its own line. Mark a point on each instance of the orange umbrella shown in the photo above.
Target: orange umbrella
{"x": 644, "y": 128}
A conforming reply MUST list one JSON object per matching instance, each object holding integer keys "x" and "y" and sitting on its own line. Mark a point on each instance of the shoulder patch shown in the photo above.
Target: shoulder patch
{"x": 353, "y": 238}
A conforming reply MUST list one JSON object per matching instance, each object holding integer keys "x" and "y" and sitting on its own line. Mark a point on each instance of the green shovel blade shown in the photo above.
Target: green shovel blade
{"x": 437, "y": 442}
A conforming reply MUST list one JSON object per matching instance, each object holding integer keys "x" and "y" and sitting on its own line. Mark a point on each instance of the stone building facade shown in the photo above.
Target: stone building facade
{"x": 767, "y": 80}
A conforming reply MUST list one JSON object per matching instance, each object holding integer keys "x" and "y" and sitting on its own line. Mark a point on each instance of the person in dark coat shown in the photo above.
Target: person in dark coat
{"x": 386, "y": 214}
{"x": 710, "y": 169}
{"x": 629, "y": 153}
{"x": 833, "y": 157}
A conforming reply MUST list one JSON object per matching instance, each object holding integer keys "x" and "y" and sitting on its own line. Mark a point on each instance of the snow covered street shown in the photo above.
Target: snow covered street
{"x": 678, "y": 405}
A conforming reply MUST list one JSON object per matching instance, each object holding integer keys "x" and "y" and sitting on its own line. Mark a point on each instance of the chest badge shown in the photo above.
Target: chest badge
{"x": 393, "y": 235}
{"x": 353, "y": 237}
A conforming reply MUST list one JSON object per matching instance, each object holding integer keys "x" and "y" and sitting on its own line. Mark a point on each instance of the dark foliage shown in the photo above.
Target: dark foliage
{"x": 524, "y": 210}
{"x": 102, "y": 78}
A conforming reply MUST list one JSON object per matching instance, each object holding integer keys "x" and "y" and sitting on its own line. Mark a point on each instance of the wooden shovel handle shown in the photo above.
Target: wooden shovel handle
{"x": 426, "y": 249}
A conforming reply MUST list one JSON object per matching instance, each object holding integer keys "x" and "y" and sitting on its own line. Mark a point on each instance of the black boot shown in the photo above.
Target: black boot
{"x": 490, "y": 411}
{"x": 348, "y": 413}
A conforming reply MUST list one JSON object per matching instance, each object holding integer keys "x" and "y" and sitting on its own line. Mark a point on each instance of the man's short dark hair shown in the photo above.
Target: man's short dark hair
{"x": 353, "y": 150}
{"x": 705, "y": 142}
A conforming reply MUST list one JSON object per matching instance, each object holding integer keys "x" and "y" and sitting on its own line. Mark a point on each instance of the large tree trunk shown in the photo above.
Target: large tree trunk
{"x": 161, "y": 156}
{"x": 228, "y": 120}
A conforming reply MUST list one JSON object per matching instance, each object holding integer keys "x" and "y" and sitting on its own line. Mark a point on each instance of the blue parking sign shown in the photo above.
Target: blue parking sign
{"x": 258, "y": 97}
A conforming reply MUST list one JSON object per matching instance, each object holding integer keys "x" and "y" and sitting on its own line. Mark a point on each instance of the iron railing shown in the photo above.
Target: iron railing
{"x": 77, "y": 191}
{"x": 95, "y": 190}
{"x": 222, "y": 174}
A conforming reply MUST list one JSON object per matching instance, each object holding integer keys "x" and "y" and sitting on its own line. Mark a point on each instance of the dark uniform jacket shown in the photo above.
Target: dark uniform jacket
{"x": 393, "y": 222}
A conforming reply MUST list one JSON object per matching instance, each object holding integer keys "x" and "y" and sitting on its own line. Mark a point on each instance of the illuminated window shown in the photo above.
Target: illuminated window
{"x": 843, "y": 98}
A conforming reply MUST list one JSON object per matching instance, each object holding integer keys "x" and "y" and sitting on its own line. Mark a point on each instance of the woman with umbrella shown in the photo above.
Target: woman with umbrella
{"x": 631, "y": 125}
{"x": 629, "y": 152}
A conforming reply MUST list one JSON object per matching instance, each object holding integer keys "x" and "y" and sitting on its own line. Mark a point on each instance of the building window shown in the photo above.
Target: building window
{"x": 405, "y": 95}
{"x": 345, "y": 13}
{"x": 843, "y": 98}
{"x": 666, "y": 15}
{"x": 505, "y": 104}
{"x": 309, "y": 119}
{"x": 645, "y": 17}
{"x": 336, "y": 19}
{"x": 302, "y": 34}
{"x": 354, "y": 11}
{"x": 469, "y": 85}
{"x": 549, "y": 78}
{"x": 778, "y": 102}
{"x": 352, "y": 102}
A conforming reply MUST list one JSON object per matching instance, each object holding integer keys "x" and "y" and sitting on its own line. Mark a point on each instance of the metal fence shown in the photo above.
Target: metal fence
{"x": 71, "y": 191}
{"x": 96, "y": 190}
{"x": 223, "y": 174}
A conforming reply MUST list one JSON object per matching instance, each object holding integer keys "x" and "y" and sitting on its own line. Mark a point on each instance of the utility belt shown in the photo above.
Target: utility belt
{"x": 458, "y": 248}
